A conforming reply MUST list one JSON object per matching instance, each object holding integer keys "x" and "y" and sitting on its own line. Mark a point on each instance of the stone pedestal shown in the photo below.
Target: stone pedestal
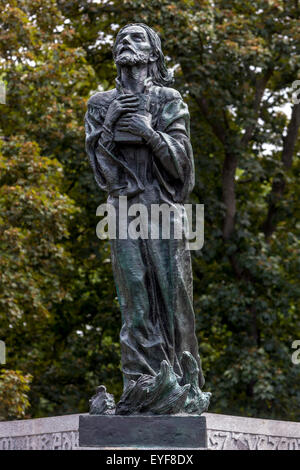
{"x": 168, "y": 431}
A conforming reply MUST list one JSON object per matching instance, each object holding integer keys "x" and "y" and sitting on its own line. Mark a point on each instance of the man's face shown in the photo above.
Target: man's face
{"x": 133, "y": 47}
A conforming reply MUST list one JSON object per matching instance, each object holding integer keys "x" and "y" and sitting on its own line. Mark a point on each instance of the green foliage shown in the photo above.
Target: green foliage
{"x": 58, "y": 313}
{"x": 33, "y": 227}
{"x": 14, "y": 388}
{"x": 235, "y": 65}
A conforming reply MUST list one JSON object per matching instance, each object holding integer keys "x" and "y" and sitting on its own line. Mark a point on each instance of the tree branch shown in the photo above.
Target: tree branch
{"x": 228, "y": 188}
{"x": 216, "y": 126}
{"x": 290, "y": 140}
{"x": 279, "y": 184}
{"x": 261, "y": 84}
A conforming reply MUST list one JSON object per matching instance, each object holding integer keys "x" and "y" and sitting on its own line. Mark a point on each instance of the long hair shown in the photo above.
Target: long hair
{"x": 158, "y": 70}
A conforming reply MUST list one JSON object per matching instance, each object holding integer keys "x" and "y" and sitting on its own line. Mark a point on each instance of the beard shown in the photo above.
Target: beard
{"x": 132, "y": 58}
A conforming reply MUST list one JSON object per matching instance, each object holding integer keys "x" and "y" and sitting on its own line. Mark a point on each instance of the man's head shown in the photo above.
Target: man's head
{"x": 133, "y": 46}
{"x": 137, "y": 43}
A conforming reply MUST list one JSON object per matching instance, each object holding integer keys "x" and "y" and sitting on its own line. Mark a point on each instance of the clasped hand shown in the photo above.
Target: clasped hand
{"x": 126, "y": 107}
{"x": 136, "y": 124}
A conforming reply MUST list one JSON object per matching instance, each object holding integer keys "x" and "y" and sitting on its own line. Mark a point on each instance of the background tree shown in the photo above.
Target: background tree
{"x": 57, "y": 303}
{"x": 235, "y": 64}
{"x": 13, "y": 391}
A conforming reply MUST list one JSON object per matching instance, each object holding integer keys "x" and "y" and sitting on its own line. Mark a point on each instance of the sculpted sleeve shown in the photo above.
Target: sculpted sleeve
{"x": 170, "y": 143}
{"x": 98, "y": 152}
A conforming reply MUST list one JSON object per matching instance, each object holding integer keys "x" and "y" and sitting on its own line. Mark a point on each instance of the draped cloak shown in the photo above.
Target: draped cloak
{"x": 153, "y": 277}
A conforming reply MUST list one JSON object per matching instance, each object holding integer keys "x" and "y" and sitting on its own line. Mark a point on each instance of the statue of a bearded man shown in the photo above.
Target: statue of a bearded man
{"x": 138, "y": 142}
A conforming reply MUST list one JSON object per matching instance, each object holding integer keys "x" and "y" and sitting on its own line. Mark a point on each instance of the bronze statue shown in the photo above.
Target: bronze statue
{"x": 138, "y": 142}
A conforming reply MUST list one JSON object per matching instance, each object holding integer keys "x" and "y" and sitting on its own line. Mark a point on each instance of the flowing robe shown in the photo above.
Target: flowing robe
{"x": 153, "y": 277}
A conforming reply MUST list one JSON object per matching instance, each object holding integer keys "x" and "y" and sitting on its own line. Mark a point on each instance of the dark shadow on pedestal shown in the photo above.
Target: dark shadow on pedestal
{"x": 172, "y": 431}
